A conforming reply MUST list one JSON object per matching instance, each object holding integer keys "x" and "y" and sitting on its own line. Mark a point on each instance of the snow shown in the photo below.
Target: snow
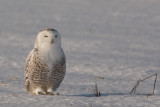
{"x": 112, "y": 43}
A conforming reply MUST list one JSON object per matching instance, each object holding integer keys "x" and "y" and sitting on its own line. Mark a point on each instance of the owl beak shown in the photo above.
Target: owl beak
{"x": 52, "y": 41}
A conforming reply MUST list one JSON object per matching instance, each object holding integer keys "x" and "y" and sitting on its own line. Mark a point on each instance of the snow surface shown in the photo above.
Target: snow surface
{"x": 112, "y": 43}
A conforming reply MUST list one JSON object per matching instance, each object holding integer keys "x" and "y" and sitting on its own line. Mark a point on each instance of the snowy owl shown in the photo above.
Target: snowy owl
{"x": 46, "y": 64}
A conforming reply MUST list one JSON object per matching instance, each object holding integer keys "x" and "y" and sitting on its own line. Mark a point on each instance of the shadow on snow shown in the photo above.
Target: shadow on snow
{"x": 112, "y": 94}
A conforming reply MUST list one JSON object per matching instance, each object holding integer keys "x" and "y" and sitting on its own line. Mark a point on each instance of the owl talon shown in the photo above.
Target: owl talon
{"x": 41, "y": 93}
{"x": 52, "y": 93}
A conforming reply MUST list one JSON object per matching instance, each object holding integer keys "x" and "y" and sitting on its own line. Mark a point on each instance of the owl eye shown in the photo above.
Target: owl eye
{"x": 46, "y": 36}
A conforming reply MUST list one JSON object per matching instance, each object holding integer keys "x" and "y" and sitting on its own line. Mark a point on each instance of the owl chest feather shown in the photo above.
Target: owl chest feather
{"x": 51, "y": 58}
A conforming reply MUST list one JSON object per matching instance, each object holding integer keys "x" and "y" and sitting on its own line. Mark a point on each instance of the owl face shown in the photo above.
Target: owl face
{"x": 48, "y": 37}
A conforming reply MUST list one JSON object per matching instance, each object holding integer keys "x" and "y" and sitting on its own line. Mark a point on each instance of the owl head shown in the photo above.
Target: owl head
{"x": 48, "y": 37}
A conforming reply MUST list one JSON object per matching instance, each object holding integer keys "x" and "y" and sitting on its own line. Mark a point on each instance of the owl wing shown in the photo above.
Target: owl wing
{"x": 58, "y": 72}
{"x": 30, "y": 62}
{"x": 61, "y": 65}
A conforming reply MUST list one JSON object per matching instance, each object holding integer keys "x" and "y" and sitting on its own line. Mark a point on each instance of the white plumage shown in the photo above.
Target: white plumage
{"x": 46, "y": 64}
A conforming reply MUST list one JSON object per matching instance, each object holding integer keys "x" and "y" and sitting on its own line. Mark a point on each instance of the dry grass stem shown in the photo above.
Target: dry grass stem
{"x": 138, "y": 83}
{"x": 96, "y": 92}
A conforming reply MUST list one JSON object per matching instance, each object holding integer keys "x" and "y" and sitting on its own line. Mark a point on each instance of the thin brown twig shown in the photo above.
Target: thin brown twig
{"x": 148, "y": 77}
{"x": 155, "y": 83}
{"x": 138, "y": 82}
{"x": 137, "y": 85}
{"x": 96, "y": 92}
{"x": 134, "y": 88}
